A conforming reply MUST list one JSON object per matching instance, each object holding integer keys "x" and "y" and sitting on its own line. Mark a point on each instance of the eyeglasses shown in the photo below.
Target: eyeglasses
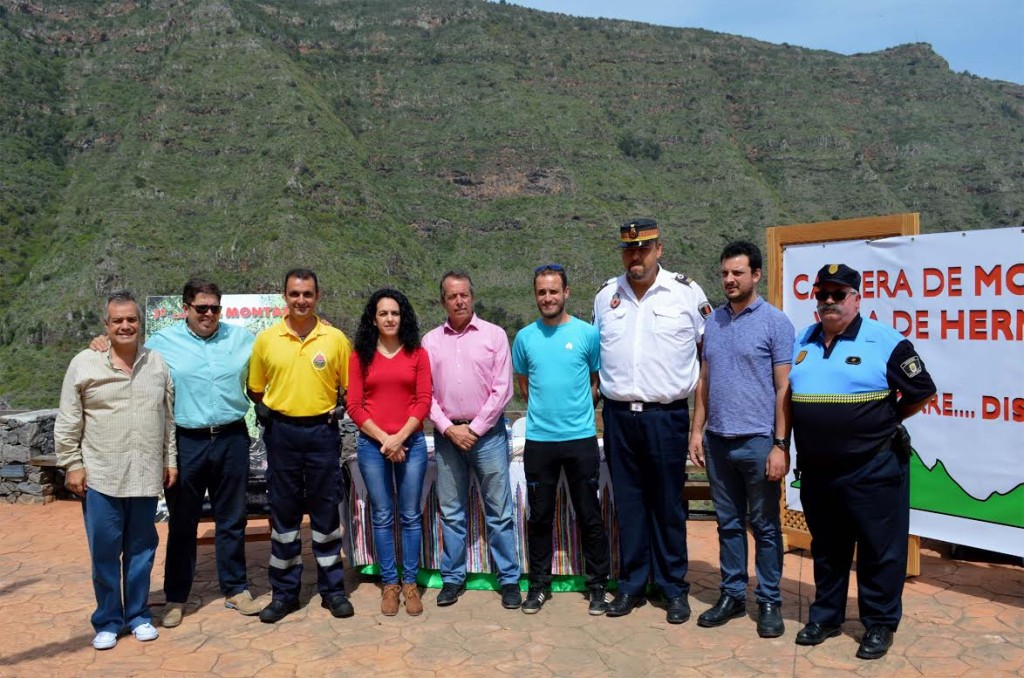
{"x": 202, "y": 309}
{"x": 837, "y": 295}
{"x": 549, "y": 267}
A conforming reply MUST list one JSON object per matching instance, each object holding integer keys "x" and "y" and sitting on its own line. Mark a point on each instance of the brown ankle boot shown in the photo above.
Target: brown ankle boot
{"x": 413, "y": 604}
{"x": 389, "y": 600}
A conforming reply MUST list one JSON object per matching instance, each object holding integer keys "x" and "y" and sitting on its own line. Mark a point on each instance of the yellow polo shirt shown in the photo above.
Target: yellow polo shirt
{"x": 299, "y": 378}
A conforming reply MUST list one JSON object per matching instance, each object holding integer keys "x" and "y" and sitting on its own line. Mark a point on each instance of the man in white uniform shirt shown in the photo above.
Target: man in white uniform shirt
{"x": 651, "y": 322}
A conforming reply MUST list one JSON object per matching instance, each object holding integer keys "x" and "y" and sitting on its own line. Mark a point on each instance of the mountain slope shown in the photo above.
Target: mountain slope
{"x": 383, "y": 143}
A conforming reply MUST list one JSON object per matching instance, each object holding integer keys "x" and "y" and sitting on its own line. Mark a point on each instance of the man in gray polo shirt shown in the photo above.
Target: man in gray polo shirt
{"x": 741, "y": 396}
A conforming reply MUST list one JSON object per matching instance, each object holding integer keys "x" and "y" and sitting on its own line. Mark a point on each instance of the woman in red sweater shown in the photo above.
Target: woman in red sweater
{"x": 388, "y": 398}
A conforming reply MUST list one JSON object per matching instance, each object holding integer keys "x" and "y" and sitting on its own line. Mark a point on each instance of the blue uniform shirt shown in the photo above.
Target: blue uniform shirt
{"x": 208, "y": 374}
{"x": 845, "y": 396}
{"x": 558, "y": 362}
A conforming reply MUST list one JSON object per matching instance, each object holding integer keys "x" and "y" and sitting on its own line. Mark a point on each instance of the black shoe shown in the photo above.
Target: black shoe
{"x": 511, "y": 598}
{"x": 339, "y": 605}
{"x": 875, "y": 643}
{"x": 816, "y": 634}
{"x": 535, "y": 600}
{"x": 276, "y": 611}
{"x": 769, "y": 620}
{"x": 598, "y": 601}
{"x": 725, "y": 609}
{"x": 624, "y": 604}
{"x": 449, "y": 594}
{"x": 678, "y": 610}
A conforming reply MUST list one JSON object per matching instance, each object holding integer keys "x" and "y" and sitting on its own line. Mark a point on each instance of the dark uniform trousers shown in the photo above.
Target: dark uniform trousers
{"x": 303, "y": 475}
{"x": 218, "y": 462}
{"x": 867, "y": 507}
{"x": 646, "y": 453}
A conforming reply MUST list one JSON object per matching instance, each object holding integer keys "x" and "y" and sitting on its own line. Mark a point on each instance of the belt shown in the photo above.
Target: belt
{"x": 637, "y": 406}
{"x": 314, "y": 420}
{"x": 462, "y": 422}
{"x": 212, "y": 431}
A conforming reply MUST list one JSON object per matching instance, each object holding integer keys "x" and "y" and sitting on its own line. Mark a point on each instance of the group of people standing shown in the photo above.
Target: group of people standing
{"x": 171, "y": 414}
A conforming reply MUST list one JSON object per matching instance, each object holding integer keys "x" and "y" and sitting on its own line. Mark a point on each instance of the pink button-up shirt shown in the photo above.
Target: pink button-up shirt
{"x": 472, "y": 372}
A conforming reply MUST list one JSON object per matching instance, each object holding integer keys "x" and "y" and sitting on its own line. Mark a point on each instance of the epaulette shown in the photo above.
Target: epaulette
{"x": 681, "y": 278}
{"x": 607, "y": 282}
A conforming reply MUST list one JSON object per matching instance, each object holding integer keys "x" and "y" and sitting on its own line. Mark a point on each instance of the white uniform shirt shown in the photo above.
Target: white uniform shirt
{"x": 649, "y": 345}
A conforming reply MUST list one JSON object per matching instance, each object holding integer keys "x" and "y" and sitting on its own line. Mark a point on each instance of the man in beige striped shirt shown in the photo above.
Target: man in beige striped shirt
{"x": 114, "y": 436}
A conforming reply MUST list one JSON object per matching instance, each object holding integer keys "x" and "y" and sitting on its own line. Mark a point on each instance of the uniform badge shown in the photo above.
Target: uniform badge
{"x": 681, "y": 278}
{"x": 832, "y": 268}
{"x": 616, "y": 300}
{"x": 800, "y": 357}
{"x": 632, "y": 231}
{"x": 568, "y": 346}
{"x": 853, "y": 360}
{"x": 912, "y": 366}
{"x": 705, "y": 310}
{"x": 319, "y": 360}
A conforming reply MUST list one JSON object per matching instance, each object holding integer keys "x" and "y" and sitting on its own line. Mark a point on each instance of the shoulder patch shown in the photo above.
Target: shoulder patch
{"x": 681, "y": 278}
{"x": 912, "y": 366}
{"x": 705, "y": 310}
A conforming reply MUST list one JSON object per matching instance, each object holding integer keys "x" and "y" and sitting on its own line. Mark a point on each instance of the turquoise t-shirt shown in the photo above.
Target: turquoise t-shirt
{"x": 558, "y": 362}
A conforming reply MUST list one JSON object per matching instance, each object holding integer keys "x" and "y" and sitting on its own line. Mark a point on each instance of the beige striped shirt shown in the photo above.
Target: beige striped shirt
{"x": 119, "y": 427}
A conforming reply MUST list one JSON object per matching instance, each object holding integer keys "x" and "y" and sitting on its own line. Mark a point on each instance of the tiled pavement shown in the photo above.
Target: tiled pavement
{"x": 960, "y": 618}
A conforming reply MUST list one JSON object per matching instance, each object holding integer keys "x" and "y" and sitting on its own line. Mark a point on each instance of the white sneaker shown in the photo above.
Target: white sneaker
{"x": 145, "y": 632}
{"x": 104, "y": 640}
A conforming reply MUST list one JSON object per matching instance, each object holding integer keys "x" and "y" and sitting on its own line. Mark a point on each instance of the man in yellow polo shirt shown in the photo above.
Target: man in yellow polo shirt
{"x": 298, "y": 369}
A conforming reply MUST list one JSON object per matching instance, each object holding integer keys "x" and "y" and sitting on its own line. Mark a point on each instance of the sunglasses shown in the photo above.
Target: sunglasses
{"x": 202, "y": 309}
{"x": 837, "y": 295}
{"x": 549, "y": 267}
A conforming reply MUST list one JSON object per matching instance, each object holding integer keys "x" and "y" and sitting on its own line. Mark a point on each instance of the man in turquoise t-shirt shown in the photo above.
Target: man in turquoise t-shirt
{"x": 556, "y": 360}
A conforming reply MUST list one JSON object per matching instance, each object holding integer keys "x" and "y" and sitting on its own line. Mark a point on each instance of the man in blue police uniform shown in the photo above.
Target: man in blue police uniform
{"x": 853, "y": 381}
{"x": 651, "y": 322}
{"x": 742, "y": 395}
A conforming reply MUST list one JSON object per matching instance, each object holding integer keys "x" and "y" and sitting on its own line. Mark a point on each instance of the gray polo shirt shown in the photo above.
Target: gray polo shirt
{"x": 741, "y": 352}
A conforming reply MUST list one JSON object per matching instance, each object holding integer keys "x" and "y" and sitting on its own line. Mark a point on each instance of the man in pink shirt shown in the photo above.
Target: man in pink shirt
{"x": 472, "y": 370}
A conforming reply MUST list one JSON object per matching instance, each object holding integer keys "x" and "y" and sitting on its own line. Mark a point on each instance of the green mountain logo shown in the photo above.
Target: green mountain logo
{"x": 935, "y": 491}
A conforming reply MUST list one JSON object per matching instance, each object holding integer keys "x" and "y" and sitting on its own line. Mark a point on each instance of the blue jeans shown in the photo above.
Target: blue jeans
{"x": 488, "y": 459}
{"x": 219, "y": 464}
{"x": 120, "y": 531}
{"x": 740, "y": 491}
{"x": 381, "y": 477}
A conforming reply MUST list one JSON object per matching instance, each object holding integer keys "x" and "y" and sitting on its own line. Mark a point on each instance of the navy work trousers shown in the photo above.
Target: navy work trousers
{"x": 867, "y": 507}
{"x": 303, "y": 476}
{"x": 646, "y": 453}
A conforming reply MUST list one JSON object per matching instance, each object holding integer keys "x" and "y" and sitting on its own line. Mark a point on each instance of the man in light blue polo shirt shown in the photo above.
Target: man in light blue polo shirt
{"x": 556, "y": 361}
{"x": 209, "y": 361}
{"x": 742, "y": 396}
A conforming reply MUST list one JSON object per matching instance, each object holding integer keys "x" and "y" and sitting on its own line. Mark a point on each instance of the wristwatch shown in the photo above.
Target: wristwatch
{"x": 781, "y": 442}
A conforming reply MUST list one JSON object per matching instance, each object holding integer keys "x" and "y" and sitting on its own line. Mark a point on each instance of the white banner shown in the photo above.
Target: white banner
{"x": 959, "y": 297}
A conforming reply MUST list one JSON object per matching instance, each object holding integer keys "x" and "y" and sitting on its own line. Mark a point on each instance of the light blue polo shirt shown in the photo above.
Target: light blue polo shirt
{"x": 208, "y": 374}
{"x": 558, "y": 362}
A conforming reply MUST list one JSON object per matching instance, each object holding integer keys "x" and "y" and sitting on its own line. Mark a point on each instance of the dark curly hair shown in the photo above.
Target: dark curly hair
{"x": 367, "y": 334}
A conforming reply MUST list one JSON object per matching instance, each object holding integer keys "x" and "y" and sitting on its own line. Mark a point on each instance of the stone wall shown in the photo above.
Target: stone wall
{"x": 26, "y": 438}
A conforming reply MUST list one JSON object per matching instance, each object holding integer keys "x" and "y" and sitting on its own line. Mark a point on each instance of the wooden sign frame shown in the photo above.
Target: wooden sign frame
{"x": 794, "y": 528}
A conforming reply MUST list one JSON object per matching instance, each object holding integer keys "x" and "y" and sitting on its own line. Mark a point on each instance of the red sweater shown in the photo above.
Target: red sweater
{"x": 392, "y": 390}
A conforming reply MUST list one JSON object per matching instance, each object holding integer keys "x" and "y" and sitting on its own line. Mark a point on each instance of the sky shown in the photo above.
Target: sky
{"x": 983, "y": 37}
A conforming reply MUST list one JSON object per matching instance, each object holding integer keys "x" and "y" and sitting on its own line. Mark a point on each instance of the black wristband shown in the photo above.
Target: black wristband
{"x": 781, "y": 442}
